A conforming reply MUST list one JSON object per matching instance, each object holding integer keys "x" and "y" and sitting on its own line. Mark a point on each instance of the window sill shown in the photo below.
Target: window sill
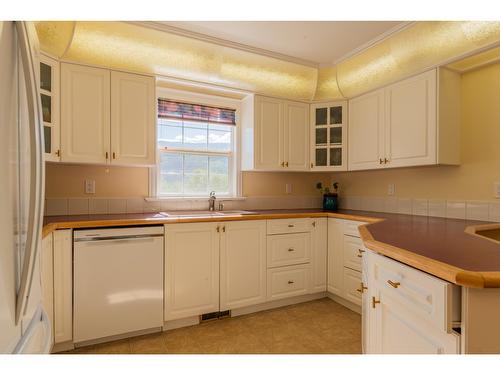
{"x": 183, "y": 199}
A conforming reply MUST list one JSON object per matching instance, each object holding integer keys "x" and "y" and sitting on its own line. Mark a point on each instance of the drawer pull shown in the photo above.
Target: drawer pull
{"x": 362, "y": 288}
{"x": 290, "y": 225}
{"x": 360, "y": 253}
{"x": 374, "y": 302}
{"x": 394, "y": 284}
{"x": 290, "y": 282}
{"x": 291, "y": 249}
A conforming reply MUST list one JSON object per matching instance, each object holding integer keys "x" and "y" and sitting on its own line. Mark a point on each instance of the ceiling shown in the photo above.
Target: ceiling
{"x": 315, "y": 42}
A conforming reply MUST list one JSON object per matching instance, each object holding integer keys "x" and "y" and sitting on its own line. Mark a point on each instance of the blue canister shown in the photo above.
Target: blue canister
{"x": 330, "y": 202}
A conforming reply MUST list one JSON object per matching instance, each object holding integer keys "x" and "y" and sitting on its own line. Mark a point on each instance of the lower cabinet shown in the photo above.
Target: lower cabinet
{"x": 63, "y": 286}
{"x": 47, "y": 276}
{"x": 242, "y": 264}
{"x": 191, "y": 269}
{"x": 290, "y": 281}
{"x": 319, "y": 249}
{"x": 406, "y": 311}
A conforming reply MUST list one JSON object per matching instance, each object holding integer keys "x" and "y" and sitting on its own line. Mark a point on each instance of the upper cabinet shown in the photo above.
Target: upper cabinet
{"x": 329, "y": 136}
{"x": 107, "y": 117}
{"x": 49, "y": 93}
{"x": 413, "y": 122}
{"x": 275, "y": 134}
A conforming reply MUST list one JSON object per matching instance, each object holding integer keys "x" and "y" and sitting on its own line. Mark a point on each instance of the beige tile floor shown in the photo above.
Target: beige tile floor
{"x": 316, "y": 327}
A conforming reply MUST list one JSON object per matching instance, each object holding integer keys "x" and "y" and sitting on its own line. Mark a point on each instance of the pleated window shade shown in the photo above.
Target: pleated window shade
{"x": 195, "y": 112}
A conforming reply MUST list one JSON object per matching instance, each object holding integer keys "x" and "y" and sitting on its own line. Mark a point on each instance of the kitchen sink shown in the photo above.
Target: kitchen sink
{"x": 205, "y": 213}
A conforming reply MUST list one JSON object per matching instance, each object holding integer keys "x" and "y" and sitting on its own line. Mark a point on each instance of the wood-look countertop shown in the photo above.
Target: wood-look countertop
{"x": 446, "y": 248}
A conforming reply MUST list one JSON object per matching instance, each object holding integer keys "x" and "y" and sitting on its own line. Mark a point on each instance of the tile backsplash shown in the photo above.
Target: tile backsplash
{"x": 459, "y": 209}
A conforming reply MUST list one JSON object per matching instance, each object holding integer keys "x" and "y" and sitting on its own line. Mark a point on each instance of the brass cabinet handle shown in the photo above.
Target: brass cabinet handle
{"x": 291, "y": 249}
{"x": 312, "y": 165}
{"x": 286, "y": 164}
{"x": 218, "y": 229}
{"x": 107, "y": 155}
{"x": 362, "y": 288}
{"x": 58, "y": 153}
{"x": 290, "y": 225}
{"x": 290, "y": 281}
{"x": 224, "y": 229}
{"x": 374, "y": 302}
{"x": 282, "y": 163}
{"x": 394, "y": 284}
{"x": 314, "y": 224}
{"x": 114, "y": 155}
{"x": 381, "y": 161}
{"x": 386, "y": 161}
{"x": 360, "y": 253}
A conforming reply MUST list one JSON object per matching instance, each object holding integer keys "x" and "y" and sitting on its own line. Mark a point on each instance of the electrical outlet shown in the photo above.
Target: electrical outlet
{"x": 391, "y": 188}
{"x": 89, "y": 186}
{"x": 496, "y": 187}
{"x": 288, "y": 188}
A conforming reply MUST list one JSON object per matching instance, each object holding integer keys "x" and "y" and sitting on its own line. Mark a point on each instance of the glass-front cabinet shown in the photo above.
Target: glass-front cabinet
{"x": 49, "y": 92}
{"x": 329, "y": 136}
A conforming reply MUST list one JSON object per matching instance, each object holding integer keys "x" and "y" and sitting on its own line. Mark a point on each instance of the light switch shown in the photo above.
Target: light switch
{"x": 288, "y": 188}
{"x": 89, "y": 186}
{"x": 496, "y": 187}
{"x": 391, "y": 188}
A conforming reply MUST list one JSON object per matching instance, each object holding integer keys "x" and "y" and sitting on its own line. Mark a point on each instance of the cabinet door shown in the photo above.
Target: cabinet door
{"x": 242, "y": 264}
{"x": 269, "y": 134}
{"x": 319, "y": 249}
{"x": 366, "y": 131}
{"x": 63, "y": 286}
{"x": 296, "y": 145}
{"x": 398, "y": 331}
{"x": 133, "y": 121}
{"x": 410, "y": 133}
{"x": 191, "y": 269}
{"x": 329, "y": 136}
{"x": 50, "y": 98}
{"x": 47, "y": 275}
{"x": 335, "y": 257}
{"x": 85, "y": 114}
{"x": 366, "y": 310}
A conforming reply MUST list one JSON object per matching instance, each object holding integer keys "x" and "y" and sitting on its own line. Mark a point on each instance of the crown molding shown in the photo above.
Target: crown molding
{"x": 222, "y": 42}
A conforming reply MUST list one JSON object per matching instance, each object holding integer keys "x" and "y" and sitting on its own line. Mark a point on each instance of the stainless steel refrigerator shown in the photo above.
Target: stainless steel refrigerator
{"x": 24, "y": 326}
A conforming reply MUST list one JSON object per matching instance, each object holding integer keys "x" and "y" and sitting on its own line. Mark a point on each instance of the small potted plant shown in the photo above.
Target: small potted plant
{"x": 330, "y": 198}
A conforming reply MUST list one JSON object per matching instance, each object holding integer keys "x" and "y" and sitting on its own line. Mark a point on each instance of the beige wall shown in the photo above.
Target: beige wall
{"x": 480, "y": 152}
{"x": 473, "y": 179}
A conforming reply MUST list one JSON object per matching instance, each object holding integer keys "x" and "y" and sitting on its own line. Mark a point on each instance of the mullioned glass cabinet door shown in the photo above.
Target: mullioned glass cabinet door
{"x": 49, "y": 93}
{"x": 329, "y": 136}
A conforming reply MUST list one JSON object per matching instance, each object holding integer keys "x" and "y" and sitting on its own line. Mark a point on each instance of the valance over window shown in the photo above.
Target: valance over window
{"x": 195, "y": 112}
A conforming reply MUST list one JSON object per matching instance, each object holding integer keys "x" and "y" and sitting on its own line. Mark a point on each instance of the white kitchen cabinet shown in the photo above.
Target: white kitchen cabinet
{"x": 63, "y": 286}
{"x": 409, "y": 123}
{"x": 289, "y": 281}
{"x": 47, "y": 277}
{"x": 319, "y": 249}
{"x": 406, "y": 311}
{"x": 328, "y": 135}
{"x": 242, "y": 264}
{"x": 50, "y": 98}
{"x": 335, "y": 256}
{"x": 107, "y": 117}
{"x": 191, "y": 269}
{"x": 133, "y": 119}
{"x": 85, "y": 114}
{"x": 275, "y": 134}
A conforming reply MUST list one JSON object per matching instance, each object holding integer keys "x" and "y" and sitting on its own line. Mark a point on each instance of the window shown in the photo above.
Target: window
{"x": 196, "y": 149}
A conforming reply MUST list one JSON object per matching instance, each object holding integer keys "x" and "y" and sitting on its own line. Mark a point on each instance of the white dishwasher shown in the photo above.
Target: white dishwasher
{"x": 118, "y": 281}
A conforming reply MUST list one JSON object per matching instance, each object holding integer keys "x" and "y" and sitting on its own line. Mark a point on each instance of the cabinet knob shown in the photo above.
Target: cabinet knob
{"x": 374, "y": 302}
{"x": 394, "y": 284}
{"x": 290, "y": 281}
{"x": 362, "y": 288}
{"x": 291, "y": 249}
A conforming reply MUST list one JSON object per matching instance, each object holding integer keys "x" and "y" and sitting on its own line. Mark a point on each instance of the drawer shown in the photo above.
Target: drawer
{"x": 283, "y": 226}
{"x": 427, "y": 296}
{"x": 352, "y": 283}
{"x": 351, "y": 227}
{"x": 353, "y": 252}
{"x": 288, "y": 249}
{"x": 288, "y": 281}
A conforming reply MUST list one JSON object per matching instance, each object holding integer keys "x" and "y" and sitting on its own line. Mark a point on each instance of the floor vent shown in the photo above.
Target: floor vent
{"x": 215, "y": 315}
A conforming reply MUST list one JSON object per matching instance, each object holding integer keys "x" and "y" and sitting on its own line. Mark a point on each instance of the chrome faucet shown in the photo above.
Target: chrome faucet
{"x": 211, "y": 201}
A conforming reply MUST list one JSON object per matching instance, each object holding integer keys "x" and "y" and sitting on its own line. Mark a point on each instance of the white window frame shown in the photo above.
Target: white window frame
{"x": 234, "y": 159}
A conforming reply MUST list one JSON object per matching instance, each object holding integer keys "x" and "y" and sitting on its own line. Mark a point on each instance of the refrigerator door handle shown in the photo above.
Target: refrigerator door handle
{"x": 27, "y": 52}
